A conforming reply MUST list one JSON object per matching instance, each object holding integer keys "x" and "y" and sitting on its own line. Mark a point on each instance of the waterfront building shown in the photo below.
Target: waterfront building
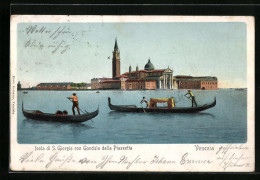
{"x": 201, "y": 82}
{"x": 54, "y": 86}
{"x": 105, "y": 83}
{"x": 95, "y": 83}
{"x": 111, "y": 84}
{"x": 140, "y": 84}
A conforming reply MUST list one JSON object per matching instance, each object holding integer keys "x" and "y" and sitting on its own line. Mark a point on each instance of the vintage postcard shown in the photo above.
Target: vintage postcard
{"x": 132, "y": 93}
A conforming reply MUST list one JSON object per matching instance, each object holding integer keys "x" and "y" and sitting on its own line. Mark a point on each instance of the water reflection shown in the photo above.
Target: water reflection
{"x": 76, "y": 130}
{"x": 119, "y": 114}
{"x": 123, "y": 115}
{"x": 192, "y": 115}
{"x": 55, "y": 123}
{"x": 80, "y": 126}
{"x": 207, "y": 114}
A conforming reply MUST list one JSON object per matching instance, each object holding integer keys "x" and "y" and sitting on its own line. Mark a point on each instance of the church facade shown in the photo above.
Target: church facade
{"x": 161, "y": 78}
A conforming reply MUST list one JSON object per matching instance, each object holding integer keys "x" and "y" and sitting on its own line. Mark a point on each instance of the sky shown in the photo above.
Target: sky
{"x": 78, "y": 52}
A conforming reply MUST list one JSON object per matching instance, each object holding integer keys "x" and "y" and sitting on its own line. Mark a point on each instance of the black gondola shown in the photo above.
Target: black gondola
{"x": 134, "y": 108}
{"x": 38, "y": 115}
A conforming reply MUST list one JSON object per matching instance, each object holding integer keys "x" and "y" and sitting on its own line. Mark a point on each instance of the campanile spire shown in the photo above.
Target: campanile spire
{"x": 116, "y": 46}
{"x": 116, "y": 61}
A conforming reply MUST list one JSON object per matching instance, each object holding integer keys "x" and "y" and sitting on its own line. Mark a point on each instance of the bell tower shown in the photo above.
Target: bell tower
{"x": 116, "y": 61}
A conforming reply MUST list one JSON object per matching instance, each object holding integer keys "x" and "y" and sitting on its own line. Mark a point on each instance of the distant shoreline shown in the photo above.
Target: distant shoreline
{"x": 26, "y": 89}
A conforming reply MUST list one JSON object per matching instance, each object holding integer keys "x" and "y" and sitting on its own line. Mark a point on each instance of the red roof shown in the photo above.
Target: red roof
{"x": 104, "y": 79}
{"x": 140, "y": 80}
{"x": 142, "y": 71}
{"x": 138, "y": 71}
{"x": 122, "y": 76}
{"x": 158, "y": 70}
{"x": 126, "y": 73}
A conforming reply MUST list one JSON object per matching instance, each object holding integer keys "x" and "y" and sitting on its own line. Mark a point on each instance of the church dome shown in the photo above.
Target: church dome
{"x": 149, "y": 66}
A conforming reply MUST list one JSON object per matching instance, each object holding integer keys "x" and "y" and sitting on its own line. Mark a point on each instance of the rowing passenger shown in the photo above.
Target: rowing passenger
{"x": 75, "y": 103}
{"x": 191, "y": 97}
{"x": 144, "y": 101}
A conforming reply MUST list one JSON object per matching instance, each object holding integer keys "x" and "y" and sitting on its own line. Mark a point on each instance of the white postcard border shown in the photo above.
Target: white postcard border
{"x": 142, "y": 157}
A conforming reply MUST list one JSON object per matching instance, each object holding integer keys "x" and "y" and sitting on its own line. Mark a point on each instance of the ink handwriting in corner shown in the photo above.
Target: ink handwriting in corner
{"x": 57, "y": 39}
{"x": 233, "y": 160}
{"x": 232, "y": 156}
{"x": 62, "y": 45}
{"x": 59, "y": 31}
{"x": 35, "y": 30}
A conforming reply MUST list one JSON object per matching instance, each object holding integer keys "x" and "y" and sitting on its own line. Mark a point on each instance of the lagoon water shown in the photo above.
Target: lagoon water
{"x": 224, "y": 123}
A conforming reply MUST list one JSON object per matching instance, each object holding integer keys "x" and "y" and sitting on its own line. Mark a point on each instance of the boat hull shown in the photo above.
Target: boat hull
{"x": 133, "y": 108}
{"x": 35, "y": 115}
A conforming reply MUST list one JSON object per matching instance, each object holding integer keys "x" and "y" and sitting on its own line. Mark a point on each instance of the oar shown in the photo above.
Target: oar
{"x": 189, "y": 98}
{"x": 80, "y": 109}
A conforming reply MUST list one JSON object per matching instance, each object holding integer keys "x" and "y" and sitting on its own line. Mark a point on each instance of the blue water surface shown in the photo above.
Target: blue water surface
{"x": 224, "y": 123}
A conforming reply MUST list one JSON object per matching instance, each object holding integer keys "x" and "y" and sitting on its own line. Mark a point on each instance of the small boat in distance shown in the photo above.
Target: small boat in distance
{"x": 59, "y": 116}
{"x": 240, "y": 89}
{"x": 97, "y": 92}
{"x": 134, "y": 108}
{"x": 25, "y": 92}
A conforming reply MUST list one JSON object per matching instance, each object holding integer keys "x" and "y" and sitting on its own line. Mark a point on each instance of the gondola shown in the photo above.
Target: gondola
{"x": 134, "y": 108}
{"x": 38, "y": 115}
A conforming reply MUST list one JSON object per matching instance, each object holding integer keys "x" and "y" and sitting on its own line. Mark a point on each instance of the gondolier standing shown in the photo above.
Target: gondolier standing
{"x": 144, "y": 101}
{"x": 75, "y": 103}
{"x": 191, "y": 97}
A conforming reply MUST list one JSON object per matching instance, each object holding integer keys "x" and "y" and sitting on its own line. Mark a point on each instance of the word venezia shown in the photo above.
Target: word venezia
{"x": 84, "y": 148}
{"x": 204, "y": 148}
